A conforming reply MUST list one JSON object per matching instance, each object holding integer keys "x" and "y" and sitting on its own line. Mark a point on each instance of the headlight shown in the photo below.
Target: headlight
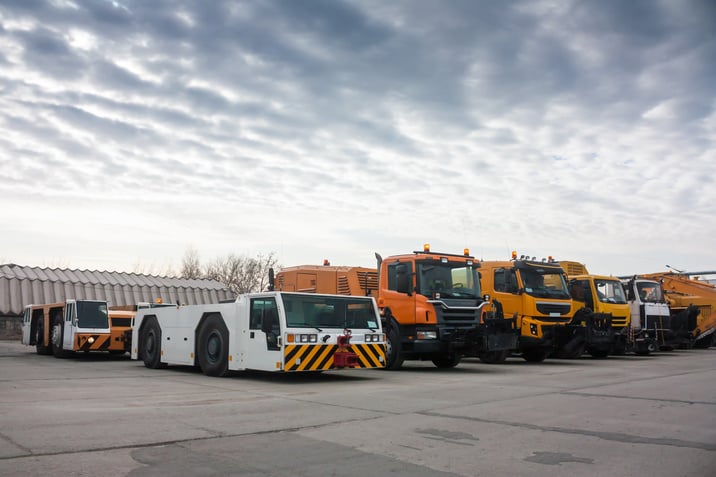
{"x": 302, "y": 338}
{"x": 533, "y": 329}
{"x": 427, "y": 335}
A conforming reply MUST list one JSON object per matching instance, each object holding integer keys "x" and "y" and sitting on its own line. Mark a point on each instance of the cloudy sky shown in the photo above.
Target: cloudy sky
{"x": 134, "y": 130}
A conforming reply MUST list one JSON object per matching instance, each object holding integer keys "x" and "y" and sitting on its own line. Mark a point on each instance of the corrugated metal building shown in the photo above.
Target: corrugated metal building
{"x": 20, "y": 286}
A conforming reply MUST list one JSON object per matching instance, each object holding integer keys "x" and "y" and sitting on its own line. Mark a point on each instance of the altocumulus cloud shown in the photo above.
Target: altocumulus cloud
{"x": 327, "y": 128}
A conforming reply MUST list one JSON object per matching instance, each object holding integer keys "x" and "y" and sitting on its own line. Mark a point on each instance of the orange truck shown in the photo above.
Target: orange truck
{"x": 431, "y": 304}
{"x": 692, "y": 303}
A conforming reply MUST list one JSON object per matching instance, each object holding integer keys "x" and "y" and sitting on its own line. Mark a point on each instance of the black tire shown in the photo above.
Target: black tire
{"x": 56, "y": 340}
{"x": 573, "y": 352}
{"x": 393, "y": 351}
{"x": 447, "y": 361}
{"x": 535, "y": 355}
{"x": 599, "y": 353}
{"x": 151, "y": 344}
{"x": 213, "y": 347}
{"x": 40, "y": 345}
{"x": 494, "y": 357}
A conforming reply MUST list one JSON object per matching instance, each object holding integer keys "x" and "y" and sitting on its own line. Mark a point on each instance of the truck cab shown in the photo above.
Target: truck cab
{"x": 432, "y": 308}
{"x": 605, "y": 295}
{"x": 649, "y": 312}
{"x": 535, "y": 293}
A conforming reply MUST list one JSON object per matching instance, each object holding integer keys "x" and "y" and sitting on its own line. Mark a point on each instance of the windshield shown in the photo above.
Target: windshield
{"x": 544, "y": 282}
{"x": 92, "y": 314}
{"x": 610, "y": 291}
{"x": 649, "y": 292}
{"x": 303, "y": 311}
{"x": 448, "y": 280}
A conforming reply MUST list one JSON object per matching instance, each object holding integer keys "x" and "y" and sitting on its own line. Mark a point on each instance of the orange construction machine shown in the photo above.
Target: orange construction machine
{"x": 692, "y": 303}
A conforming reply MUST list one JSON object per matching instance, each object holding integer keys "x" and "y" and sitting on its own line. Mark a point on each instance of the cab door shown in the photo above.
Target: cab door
{"x": 505, "y": 289}
{"x": 69, "y": 324}
{"x": 264, "y": 347}
{"x": 26, "y": 326}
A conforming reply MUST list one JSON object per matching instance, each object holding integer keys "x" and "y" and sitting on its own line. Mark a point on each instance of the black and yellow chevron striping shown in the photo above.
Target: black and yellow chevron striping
{"x": 319, "y": 357}
{"x": 101, "y": 342}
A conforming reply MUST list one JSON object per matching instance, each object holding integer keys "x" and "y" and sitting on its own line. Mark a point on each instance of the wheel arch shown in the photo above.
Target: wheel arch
{"x": 197, "y": 330}
{"x": 146, "y": 319}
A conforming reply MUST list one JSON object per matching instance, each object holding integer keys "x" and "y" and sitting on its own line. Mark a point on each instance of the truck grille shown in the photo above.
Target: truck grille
{"x": 548, "y": 308}
{"x": 126, "y": 322}
{"x": 461, "y": 313}
{"x": 619, "y": 321}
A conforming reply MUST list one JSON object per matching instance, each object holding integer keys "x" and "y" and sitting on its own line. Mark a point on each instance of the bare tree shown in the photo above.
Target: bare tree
{"x": 190, "y": 265}
{"x": 242, "y": 274}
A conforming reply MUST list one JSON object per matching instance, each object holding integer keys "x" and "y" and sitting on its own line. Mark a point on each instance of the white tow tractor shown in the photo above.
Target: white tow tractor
{"x": 271, "y": 331}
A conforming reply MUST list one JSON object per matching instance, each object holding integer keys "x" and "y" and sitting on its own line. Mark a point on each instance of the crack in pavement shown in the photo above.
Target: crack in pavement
{"x": 609, "y": 436}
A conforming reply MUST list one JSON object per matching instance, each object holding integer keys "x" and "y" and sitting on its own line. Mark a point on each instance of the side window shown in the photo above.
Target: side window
{"x": 68, "y": 311}
{"x": 500, "y": 283}
{"x": 264, "y": 309}
{"x": 400, "y": 276}
{"x": 392, "y": 276}
{"x": 505, "y": 280}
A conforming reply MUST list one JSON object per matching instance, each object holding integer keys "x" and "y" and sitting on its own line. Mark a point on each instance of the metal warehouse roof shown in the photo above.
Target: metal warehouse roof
{"x": 20, "y": 286}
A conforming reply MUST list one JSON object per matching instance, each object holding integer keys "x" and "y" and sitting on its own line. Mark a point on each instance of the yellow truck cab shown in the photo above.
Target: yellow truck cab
{"x": 606, "y": 295}
{"x": 535, "y": 293}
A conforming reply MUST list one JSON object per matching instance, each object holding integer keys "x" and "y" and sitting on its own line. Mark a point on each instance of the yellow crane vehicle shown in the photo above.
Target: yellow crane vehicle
{"x": 605, "y": 294}
{"x": 535, "y": 293}
{"x": 692, "y": 303}
{"x": 270, "y": 331}
{"x": 71, "y": 326}
{"x": 431, "y": 305}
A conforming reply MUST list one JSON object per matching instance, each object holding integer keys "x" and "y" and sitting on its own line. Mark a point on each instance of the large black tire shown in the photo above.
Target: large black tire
{"x": 494, "y": 357}
{"x": 213, "y": 347}
{"x": 150, "y": 346}
{"x": 393, "y": 350}
{"x": 599, "y": 353}
{"x": 56, "y": 340}
{"x": 447, "y": 361}
{"x": 41, "y": 347}
{"x": 535, "y": 355}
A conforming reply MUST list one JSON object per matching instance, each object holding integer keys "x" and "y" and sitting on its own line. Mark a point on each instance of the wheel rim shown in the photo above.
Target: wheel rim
{"x": 213, "y": 347}
{"x": 56, "y": 333}
{"x": 389, "y": 347}
{"x": 150, "y": 344}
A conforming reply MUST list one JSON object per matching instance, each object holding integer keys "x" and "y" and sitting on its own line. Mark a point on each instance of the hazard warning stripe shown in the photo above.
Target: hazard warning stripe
{"x": 319, "y": 357}
{"x": 101, "y": 342}
{"x": 369, "y": 355}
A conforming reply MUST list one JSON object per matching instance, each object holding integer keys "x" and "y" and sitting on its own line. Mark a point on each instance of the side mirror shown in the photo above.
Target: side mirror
{"x": 402, "y": 277}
